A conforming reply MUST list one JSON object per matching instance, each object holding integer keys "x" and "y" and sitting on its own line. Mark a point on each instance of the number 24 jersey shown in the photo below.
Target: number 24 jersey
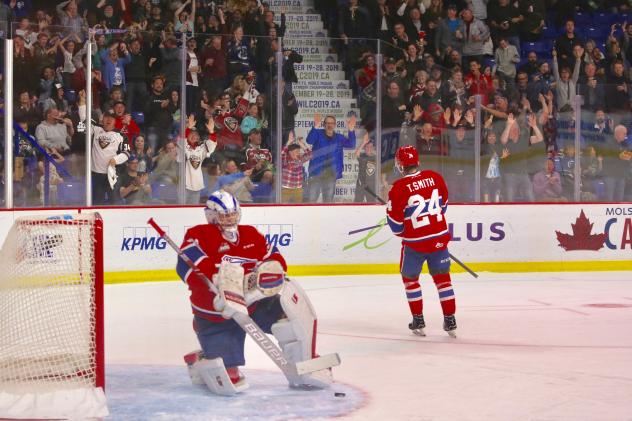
{"x": 415, "y": 211}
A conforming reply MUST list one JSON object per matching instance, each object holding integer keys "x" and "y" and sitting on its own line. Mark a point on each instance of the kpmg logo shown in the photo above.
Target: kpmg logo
{"x": 277, "y": 235}
{"x": 141, "y": 239}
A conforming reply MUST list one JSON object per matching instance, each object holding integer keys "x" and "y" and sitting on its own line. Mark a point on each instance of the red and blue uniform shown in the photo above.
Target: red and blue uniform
{"x": 206, "y": 247}
{"x": 416, "y": 213}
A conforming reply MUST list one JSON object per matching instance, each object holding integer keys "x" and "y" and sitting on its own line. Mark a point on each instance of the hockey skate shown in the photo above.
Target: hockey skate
{"x": 417, "y": 325}
{"x": 449, "y": 325}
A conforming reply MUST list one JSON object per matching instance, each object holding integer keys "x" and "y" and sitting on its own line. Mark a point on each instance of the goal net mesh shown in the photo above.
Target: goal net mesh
{"x": 47, "y": 305}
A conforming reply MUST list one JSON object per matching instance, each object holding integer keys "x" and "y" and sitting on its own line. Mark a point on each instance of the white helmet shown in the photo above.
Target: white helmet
{"x": 223, "y": 209}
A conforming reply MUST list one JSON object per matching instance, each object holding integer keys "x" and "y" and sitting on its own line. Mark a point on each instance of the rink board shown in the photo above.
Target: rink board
{"x": 319, "y": 239}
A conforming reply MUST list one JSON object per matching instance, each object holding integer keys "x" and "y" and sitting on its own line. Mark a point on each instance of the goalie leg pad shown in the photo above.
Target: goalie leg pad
{"x": 297, "y": 334}
{"x": 190, "y": 359}
{"x": 216, "y": 378}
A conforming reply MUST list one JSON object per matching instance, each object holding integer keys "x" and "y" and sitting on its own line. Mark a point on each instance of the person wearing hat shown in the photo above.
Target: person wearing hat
{"x": 109, "y": 149}
{"x": 390, "y": 72}
{"x": 56, "y": 100}
{"x": 132, "y": 185}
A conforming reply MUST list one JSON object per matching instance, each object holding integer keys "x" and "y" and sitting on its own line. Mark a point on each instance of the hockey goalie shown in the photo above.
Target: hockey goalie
{"x": 250, "y": 279}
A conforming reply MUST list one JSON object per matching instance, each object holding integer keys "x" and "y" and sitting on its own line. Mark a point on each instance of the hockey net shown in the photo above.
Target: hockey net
{"x": 51, "y": 318}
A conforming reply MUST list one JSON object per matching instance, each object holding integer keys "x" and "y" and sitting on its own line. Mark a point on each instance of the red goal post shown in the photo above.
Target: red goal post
{"x": 51, "y": 318}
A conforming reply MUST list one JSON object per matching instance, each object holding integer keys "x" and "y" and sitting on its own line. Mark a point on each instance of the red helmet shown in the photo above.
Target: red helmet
{"x": 406, "y": 156}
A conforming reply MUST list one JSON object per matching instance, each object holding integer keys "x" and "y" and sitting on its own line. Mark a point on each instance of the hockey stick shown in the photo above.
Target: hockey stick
{"x": 460, "y": 263}
{"x": 365, "y": 229}
{"x": 252, "y": 329}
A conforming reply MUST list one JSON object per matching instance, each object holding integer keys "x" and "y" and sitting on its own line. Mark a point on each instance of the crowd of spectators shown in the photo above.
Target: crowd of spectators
{"x": 139, "y": 50}
{"x": 526, "y": 59}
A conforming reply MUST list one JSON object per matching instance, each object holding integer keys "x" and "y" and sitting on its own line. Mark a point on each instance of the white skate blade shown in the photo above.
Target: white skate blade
{"x": 452, "y": 333}
{"x": 317, "y": 364}
{"x": 419, "y": 332}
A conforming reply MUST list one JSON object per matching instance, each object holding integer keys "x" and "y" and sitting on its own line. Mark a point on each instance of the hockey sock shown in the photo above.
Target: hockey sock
{"x": 234, "y": 374}
{"x": 446, "y": 293}
{"x": 413, "y": 294}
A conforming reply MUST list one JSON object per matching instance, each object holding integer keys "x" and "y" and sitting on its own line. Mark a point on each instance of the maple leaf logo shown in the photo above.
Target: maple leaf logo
{"x": 581, "y": 239}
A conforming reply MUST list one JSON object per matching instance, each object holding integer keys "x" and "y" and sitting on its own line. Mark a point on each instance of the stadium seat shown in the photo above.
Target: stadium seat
{"x": 550, "y": 32}
{"x": 600, "y": 189}
{"x": 138, "y": 117}
{"x": 167, "y": 193}
{"x": 622, "y": 18}
{"x": 595, "y": 32}
{"x": 71, "y": 193}
{"x": 603, "y": 19}
{"x": 541, "y": 48}
{"x": 581, "y": 18}
{"x": 70, "y": 95}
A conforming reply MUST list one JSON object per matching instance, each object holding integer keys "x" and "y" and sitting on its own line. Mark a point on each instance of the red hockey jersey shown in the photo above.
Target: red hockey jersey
{"x": 206, "y": 247}
{"x": 415, "y": 211}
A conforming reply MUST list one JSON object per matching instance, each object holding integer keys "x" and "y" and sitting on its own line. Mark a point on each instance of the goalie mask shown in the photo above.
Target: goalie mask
{"x": 222, "y": 209}
{"x": 406, "y": 156}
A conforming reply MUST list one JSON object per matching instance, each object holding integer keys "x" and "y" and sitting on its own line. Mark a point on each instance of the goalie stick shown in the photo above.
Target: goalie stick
{"x": 460, "y": 263}
{"x": 252, "y": 329}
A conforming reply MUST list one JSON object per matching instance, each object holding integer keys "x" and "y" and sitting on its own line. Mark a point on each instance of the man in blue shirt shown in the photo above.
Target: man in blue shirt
{"x": 327, "y": 161}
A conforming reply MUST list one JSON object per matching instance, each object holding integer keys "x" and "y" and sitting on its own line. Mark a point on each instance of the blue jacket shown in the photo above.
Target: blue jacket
{"x": 108, "y": 69}
{"x": 318, "y": 140}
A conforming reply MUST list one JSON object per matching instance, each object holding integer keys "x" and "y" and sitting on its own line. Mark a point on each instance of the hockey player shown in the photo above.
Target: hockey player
{"x": 415, "y": 212}
{"x": 250, "y": 278}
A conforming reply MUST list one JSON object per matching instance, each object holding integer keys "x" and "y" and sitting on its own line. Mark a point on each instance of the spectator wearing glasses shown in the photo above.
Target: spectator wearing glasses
{"x": 326, "y": 164}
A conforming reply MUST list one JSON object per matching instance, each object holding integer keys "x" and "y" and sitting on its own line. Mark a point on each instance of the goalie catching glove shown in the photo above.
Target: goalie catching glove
{"x": 266, "y": 280}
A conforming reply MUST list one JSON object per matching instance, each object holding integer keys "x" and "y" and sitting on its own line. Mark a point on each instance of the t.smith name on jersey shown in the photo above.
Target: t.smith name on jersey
{"x": 420, "y": 184}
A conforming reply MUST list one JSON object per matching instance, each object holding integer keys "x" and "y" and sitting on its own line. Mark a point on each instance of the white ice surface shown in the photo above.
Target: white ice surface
{"x": 529, "y": 347}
